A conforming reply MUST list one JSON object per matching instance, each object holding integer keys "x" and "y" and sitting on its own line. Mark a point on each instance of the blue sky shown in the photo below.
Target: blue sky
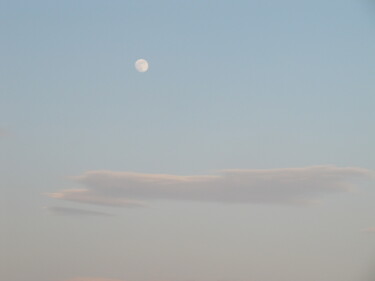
{"x": 242, "y": 85}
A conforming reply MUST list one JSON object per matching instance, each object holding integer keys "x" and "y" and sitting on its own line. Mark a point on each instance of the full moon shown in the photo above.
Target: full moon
{"x": 141, "y": 65}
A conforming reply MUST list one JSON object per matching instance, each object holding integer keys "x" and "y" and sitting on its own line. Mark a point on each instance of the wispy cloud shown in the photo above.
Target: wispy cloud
{"x": 92, "y": 279}
{"x": 63, "y": 211}
{"x": 278, "y": 186}
{"x": 369, "y": 230}
{"x": 3, "y": 132}
{"x": 90, "y": 197}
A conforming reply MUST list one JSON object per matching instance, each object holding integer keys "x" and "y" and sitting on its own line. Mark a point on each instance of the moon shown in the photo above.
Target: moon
{"x": 141, "y": 65}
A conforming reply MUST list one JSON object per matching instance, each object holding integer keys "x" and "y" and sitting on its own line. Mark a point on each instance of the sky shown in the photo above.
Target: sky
{"x": 245, "y": 152}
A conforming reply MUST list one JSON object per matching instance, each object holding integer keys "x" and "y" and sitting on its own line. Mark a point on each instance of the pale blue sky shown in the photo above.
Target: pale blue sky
{"x": 231, "y": 85}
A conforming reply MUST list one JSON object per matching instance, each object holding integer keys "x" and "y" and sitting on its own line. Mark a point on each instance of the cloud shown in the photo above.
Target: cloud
{"x": 3, "y": 132}
{"x": 92, "y": 279}
{"x": 63, "y": 211}
{"x": 369, "y": 230}
{"x": 277, "y": 186}
{"x": 87, "y": 196}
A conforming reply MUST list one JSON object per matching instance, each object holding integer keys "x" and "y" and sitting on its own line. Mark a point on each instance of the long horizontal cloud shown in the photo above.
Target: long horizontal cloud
{"x": 92, "y": 279}
{"x": 369, "y": 230}
{"x": 92, "y": 197}
{"x": 280, "y": 186}
{"x": 63, "y": 211}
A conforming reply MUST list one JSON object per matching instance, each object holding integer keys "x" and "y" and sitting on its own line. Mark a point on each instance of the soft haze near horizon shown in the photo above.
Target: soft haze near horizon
{"x": 245, "y": 152}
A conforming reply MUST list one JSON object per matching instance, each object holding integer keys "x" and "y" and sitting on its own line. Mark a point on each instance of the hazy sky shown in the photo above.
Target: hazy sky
{"x": 245, "y": 153}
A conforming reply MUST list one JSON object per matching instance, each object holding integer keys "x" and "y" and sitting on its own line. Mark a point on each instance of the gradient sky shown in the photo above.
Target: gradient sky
{"x": 245, "y": 153}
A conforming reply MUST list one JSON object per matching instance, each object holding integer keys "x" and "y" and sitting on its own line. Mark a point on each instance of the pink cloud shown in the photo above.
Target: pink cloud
{"x": 63, "y": 211}
{"x": 369, "y": 230}
{"x": 85, "y": 196}
{"x": 272, "y": 186}
{"x": 3, "y": 132}
{"x": 92, "y": 279}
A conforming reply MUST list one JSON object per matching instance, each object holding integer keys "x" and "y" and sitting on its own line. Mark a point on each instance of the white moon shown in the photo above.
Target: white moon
{"x": 141, "y": 65}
